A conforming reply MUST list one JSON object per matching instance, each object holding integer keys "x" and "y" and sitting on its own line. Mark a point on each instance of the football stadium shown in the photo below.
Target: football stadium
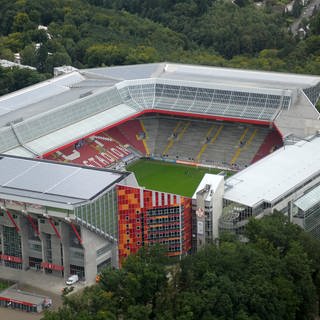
{"x": 97, "y": 163}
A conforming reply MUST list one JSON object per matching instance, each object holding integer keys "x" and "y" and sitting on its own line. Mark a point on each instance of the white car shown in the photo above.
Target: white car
{"x": 72, "y": 279}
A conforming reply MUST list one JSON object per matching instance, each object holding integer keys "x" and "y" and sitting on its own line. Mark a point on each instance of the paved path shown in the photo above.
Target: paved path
{"x": 34, "y": 282}
{"x": 306, "y": 13}
{"x": 33, "y": 278}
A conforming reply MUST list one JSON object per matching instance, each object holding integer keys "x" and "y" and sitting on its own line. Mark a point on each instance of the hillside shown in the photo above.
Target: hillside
{"x": 114, "y": 32}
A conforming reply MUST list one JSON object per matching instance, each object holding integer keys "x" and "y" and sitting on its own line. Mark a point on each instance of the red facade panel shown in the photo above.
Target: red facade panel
{"x": 145, "y": 217}
{"x": 10, "y": 258}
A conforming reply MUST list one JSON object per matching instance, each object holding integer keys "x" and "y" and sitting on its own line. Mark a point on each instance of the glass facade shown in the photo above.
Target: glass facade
{"x": 67, "y": 114}
{"x": 311, "y": 220}
{"x": 306, "y": 211}
{"x": 100, "y": 215}
{"x": 234, "y": 216}
{"x": 12, "y": 248}
{"x": 313, "y": 93}
{"x": 172, "y": 95}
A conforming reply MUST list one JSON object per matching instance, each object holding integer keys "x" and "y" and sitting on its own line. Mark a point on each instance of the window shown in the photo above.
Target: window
{"x": 103, "y": 250}
{"x": 36, "y": 247}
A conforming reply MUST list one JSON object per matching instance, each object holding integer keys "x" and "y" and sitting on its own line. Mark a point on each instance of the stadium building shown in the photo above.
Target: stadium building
{"x": 65, "y": 219}
{"x": 287, "y": 180}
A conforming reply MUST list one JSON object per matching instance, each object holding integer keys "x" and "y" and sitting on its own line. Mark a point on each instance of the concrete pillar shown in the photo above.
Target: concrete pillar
{"x": 1, "y": 237}
{"x": 115, "y": 256}
{"x": 90, "y": 255}
{"x": 56, "y": 253}
{"x": 43, "y": 247}
{"x": 23, "y": 225}
{"x": 65, "y": 241}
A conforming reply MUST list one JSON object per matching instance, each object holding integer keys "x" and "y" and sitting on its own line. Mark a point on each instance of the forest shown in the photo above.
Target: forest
{"x": 96, "y": 33}
{"x": 275, "y": 275}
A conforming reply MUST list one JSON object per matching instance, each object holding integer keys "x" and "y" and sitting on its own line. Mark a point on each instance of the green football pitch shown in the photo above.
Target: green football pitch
{"x": 168, "y": 177}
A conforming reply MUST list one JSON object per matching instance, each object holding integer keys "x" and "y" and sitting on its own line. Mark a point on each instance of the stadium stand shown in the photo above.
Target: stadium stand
{"x": 85, "y": 102}
{"x": 271, "y": 142}
{"x": 151, "y": 127}
{"x": 118, "y": 136}
{"x": 97, "y": 151}
{"x": 209, "y": 142}
{"x": 213, "y": 143}
{"x": 73, "y": 106}
{"x": 134, "y": 134}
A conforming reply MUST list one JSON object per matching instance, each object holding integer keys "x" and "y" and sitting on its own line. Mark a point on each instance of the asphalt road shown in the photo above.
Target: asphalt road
{"x": 306, "y": 13}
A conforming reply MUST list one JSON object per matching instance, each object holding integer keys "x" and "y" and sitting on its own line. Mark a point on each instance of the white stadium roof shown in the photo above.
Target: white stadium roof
{"x": 276, "y": 175}
{"x": 61, "y": 185}
{"x": 212, "y": 180}
{"x": 41, "y": 118}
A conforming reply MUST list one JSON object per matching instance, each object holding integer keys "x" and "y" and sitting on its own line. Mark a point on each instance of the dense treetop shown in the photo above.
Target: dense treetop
{"x": 91, "y": 33}
{"x": 275, "y": 275}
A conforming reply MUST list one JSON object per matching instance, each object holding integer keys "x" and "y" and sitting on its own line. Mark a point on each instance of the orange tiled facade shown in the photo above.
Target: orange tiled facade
{"x": 147, "y": 217}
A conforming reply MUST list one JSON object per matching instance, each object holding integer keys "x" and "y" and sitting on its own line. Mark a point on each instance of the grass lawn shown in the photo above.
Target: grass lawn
{"x": 168, "y": 177}
{"x": 4, "y": 284}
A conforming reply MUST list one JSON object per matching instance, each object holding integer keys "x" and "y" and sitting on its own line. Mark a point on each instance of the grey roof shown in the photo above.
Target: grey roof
{"x": 38, "y": 98}
{"x": 38, "y": 180}
{"x": 184, "y": 72}
{"x": 248, "y": 78}
{"x": 309, "y": 200}
{"x": 275, "y": 175}
{"x": 22, "y": 296}
{"x": 131, "y": 72}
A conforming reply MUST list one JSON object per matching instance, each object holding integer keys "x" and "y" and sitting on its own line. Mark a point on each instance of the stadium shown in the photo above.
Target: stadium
{"x": 62, "y": 218}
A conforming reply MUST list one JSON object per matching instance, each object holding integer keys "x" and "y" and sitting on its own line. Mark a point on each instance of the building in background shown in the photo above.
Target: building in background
{"x": 207, "y": 208}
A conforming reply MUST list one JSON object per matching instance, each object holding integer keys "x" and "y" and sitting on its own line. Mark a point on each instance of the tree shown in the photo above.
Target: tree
{"x": 296, "y": 8}
{"x": 21, "y": 22}
{"x": 28, "y": 56}
{"x": 273, "y": 276}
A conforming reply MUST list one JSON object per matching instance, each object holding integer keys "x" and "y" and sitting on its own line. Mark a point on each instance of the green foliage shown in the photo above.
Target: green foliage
{"x": 273, "y": 276}
{"x": 4, "y": 284}
{"x": 91, "y": 33}
{"x": 16, "y": 78}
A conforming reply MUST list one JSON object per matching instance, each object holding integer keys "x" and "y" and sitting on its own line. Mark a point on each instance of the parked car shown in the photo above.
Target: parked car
{"x": 72, "y": 279}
